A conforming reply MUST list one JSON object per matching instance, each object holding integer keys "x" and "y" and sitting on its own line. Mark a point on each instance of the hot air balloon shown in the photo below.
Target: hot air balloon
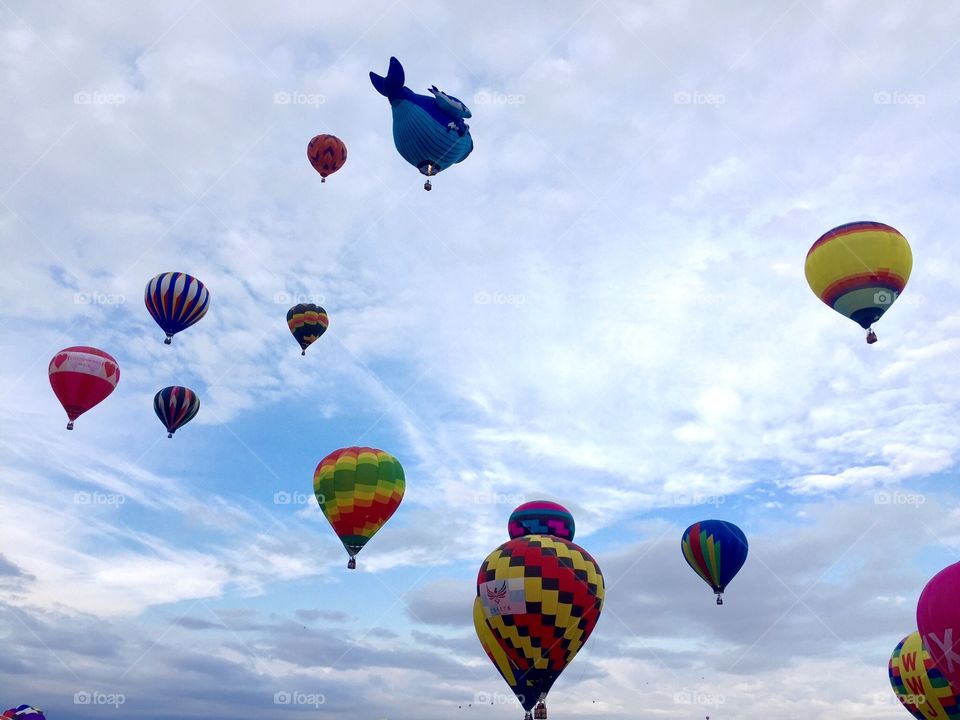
{"x": 24, "y": 712}
{"x": 358, "y": 489}
{"x": 859, "y": 269}
{"x": 541, "y": 517}
{"x": 493, "y": 649}
{"x": 327, "y": 154}
{"x": 176, "y": 301}
{"x": 307, "y": 322}
{"x": 919, "y": 685}
{"x": 716, "y": 550}
{"x": 175, "y": 406}
{"x": 938, "y": 619}
{"x": 541, "y": 597}
{"x": 429, "y": 132}
{"x": 82, "y": 377}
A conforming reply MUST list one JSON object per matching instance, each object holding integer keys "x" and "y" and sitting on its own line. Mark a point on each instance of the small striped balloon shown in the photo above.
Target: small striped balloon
{"x": 176, "y": 301}
{"x": 175, "y": 406}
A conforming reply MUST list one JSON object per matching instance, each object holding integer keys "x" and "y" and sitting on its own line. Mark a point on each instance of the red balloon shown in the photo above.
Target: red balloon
{"x": 82, "y": 377}
{"x": 327, "y": 154}
{"x": 938, "y": 620}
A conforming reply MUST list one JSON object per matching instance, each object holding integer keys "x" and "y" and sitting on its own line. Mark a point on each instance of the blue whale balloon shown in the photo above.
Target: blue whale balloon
{"x": 429, "y": 131}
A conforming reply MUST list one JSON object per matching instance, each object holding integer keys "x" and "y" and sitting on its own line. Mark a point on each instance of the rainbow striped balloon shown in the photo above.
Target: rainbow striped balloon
{"x": 359, "y": 489}
{"x": 176, "y": 301}
{"x": 859, "y": 269}
{"x": 716, "y": 550}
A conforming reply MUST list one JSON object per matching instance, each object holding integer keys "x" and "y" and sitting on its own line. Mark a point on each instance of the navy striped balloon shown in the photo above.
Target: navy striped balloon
{"x": 175, "y": 406}
{"x": 176, "y": 301}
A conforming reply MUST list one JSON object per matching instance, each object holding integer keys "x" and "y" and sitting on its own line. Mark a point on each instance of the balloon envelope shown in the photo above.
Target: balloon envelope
{"x": 82, "y": 377}
{"x": 175, "y": 406}
{"x": 176, "y": 301}
{"x": 541, "y": 597}
{"x": 327, "y": 154}
{"x": 541, "y": 517}
{"x": 716, "y": 550}
{"x": 859, "y": 269}
{"x": 919, "y": 685}
{"x": 307, "y": 322}
{"x": 938, "y": 619}
{"x": 24, "y": 712}
{"x": 359, "y": 489}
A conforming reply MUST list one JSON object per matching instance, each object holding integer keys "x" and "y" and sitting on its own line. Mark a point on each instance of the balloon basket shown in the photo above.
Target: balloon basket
{"x": 352, "y": 564}
{"x": 169, "y": 434}
{"x": 719, "y": 600}
{"x": 168, "y": 341}
{"x": 540, "y": 711}
{"x": 427, "y": 186}
{"x": 871, "y": 337}
{"x": 323, "y": 179}
{"x": 303, "y": 353}
{"x": 70, "y": 425}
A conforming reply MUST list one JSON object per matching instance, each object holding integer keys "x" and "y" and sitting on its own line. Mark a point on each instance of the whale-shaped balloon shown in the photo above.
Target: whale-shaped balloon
{"x": 429, "y": 132}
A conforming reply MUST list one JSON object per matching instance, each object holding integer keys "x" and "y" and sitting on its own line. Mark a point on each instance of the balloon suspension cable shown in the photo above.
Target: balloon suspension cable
{"x": 70, "y": 425}
{"x": 169, "y": 340}
{"x": 871, "y": 336}
{"x": 352, "y": 564}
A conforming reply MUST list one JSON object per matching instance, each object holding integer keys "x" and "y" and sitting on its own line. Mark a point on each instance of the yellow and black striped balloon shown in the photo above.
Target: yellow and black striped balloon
{"x": 307, "y": 322}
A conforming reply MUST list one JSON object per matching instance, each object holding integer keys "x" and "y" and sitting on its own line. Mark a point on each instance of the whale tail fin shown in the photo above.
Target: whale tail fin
{"x": 391, "y": 85}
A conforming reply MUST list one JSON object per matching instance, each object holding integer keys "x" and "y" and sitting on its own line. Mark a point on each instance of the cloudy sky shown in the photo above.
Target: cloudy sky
{"x": 604, "y": 305}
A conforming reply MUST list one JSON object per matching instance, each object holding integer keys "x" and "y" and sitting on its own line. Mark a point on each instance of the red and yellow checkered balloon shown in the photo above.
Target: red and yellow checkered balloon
{"x": 541, "y": 597}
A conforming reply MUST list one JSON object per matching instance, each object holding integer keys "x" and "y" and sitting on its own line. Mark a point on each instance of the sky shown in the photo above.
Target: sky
{"x": 604, "y": 306}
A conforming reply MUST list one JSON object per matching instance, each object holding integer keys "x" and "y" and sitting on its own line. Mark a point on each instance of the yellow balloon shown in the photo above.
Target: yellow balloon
{"x": 859, "y": 269}
{"x": 922, "y": 689}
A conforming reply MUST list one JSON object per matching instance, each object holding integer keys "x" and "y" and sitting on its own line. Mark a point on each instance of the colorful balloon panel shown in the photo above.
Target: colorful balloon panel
{"x": 307, "y": 322}
{"x": 919, "y": 685}
{"x": 938, "y": 619}
{"x": 176, "y": 406}
{"x": 24, "y": 712}
{"x": 541, "y": 517}
{"x": 176, "y": 301}
{"x": 497, "y": 655}
{"x": 358, "y": 489}
{"x": 541, "y": 597}
{"x": 327, "y": 154}
{"x": 716, "y": 550}
{"x": 82, "y": 377}
{"x": 859, "y": 269}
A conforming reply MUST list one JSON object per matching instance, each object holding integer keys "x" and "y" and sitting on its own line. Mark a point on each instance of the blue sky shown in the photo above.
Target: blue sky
{"x": 604, "y": 305}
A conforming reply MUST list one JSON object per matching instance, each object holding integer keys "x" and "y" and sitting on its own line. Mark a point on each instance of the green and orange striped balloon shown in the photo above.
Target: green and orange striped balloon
{"x": 359, "y": 489}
